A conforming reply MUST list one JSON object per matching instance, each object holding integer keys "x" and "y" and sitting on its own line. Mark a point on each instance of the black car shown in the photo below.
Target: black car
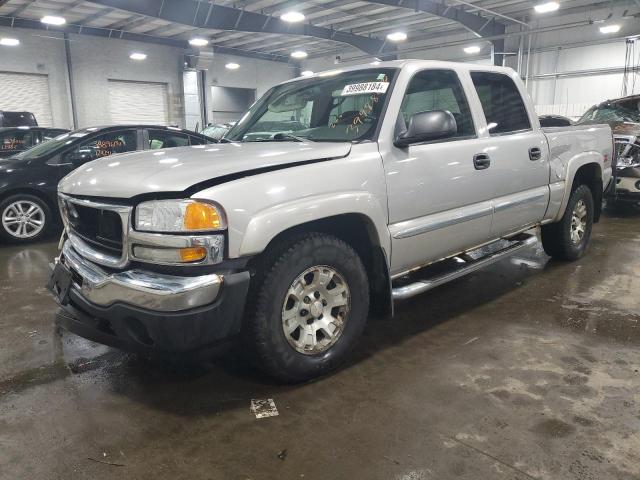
{"x": 14, "y": 140}
{"x": 29, "y": 180}
{"x": 17, "y": 119}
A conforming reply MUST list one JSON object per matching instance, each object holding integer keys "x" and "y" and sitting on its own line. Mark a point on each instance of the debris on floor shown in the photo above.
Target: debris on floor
{"x": 282, "y": 454}
{"x": 263, "y": 408}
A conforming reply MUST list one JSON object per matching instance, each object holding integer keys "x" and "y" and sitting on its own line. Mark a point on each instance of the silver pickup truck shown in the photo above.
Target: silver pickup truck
{"x": 287, "y": 238}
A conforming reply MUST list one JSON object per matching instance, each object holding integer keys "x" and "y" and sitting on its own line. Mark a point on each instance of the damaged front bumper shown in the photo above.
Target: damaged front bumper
{"x": 140, "y": 310}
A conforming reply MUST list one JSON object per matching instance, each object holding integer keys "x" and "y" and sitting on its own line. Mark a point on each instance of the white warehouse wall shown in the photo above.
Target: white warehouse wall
{"x": 41, "y": 53}
{"x": 97, "y": 60}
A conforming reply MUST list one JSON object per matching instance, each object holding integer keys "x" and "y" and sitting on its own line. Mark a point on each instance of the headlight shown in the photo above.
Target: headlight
{"x": 176, "y": 216}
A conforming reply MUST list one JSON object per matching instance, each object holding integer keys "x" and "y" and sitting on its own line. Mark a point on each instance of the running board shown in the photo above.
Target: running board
{"x": 466, "y": 264}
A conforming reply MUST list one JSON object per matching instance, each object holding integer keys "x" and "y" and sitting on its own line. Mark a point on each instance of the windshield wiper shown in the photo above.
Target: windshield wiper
{"x": 290, "y": 136}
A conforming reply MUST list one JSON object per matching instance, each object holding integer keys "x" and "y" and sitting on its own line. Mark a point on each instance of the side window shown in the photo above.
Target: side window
{"x": 197, "y": 140}
{"x": 438, "y": 90}
{"x": 502, "y": 103}
{"x": 18, "y": 140}
{"x": 167, "y": 139}
{"x": 102, "y": 146}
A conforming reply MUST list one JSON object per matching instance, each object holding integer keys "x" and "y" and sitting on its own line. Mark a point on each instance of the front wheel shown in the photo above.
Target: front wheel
{"x": 569, "y": 238}
{"x": 310, "y": 307}
{"x": 25, "y": 218}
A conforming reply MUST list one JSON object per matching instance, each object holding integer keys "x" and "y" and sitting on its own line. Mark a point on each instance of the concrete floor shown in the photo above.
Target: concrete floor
{"x": 527, "y": 370}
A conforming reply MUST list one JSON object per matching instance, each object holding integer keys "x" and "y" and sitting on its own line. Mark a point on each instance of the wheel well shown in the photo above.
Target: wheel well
{"x": 591, "y": 176}
{"x": 360, "y": 233}
{"x": 53, "y": 207}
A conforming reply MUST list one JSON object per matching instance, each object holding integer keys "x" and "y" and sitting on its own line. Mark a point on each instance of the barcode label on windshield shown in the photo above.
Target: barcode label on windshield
{"x": 364, "y": 88}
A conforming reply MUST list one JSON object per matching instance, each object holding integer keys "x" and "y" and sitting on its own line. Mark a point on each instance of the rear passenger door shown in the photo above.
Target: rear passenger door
{"x": 518, "y": 153}
{"x": 103, "y": 145}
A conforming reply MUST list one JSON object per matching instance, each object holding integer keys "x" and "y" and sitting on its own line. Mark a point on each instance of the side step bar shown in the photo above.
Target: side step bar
{"x": 468, "y": 265}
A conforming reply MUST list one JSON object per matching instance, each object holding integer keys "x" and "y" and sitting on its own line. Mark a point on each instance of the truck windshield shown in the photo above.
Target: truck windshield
{"x": 610, "y": 113}
{"x": 333, "y": 107}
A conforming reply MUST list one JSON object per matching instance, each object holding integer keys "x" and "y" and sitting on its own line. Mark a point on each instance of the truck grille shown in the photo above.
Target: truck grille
{"x": 97, "y": 230}
{"x": 102, "y": 229}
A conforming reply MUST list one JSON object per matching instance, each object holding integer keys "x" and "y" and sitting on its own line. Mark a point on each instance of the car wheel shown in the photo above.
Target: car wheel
{"x": 25, "y": 218}
{"x": 569, "y": 238}
{"x": 311, "y": 305}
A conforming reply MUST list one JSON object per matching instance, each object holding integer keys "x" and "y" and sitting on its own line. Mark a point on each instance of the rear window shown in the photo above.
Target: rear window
{"x": 502, "y": 103}
{"x": 18, "y": 119}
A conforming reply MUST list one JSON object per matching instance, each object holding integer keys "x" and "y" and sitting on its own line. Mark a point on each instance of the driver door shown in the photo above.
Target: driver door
{"x": 440, "y": 200}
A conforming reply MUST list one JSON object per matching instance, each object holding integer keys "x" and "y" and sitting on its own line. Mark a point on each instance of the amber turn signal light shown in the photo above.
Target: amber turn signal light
{"x": 201, "y": 216}
{"x": 193, "y": 254}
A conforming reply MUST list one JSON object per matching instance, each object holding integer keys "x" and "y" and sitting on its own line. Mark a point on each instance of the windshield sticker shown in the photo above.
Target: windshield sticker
{"x": 364, "y": 88}
{"x": 12, "y": 144}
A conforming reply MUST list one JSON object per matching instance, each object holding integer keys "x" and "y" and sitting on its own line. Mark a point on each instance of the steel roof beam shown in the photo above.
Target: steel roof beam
{"x": 202, "y": 14}
{"x": 478, "y": 25}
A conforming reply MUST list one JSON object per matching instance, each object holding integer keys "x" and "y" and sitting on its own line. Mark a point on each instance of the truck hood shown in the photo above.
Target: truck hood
{"x": 177, "y": 169}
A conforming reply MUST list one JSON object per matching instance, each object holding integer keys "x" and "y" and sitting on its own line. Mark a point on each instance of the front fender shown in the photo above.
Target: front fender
{"x": 266, "y": 224}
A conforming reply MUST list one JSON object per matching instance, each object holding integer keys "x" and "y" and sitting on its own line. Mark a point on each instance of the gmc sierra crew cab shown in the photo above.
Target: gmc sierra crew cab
{"x": 287, "y": 238}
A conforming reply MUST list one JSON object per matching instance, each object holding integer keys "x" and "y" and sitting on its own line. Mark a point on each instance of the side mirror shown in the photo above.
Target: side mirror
{"x": 426, "y": 126}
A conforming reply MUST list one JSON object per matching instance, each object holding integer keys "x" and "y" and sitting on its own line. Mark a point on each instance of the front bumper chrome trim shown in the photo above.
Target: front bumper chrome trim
{"x": 149, "y": 290}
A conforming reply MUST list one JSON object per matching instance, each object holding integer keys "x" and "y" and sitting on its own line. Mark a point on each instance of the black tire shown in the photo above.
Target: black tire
{"x": 264, "y": 330}
{"x": 46, "y": 217}
{"x": 556, "y": 237}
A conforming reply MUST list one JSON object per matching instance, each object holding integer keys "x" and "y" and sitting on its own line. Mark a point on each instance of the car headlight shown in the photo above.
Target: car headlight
{"x": 179, "y": 216}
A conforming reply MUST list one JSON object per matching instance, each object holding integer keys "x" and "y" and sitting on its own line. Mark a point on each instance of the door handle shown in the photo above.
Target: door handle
{"x": 535, "y": 153}
{"x": 481, "y": 161}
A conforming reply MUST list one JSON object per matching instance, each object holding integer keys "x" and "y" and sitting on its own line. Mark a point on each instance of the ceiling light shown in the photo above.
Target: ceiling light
{"x": 397, "y": 37}
{"x": 9, "y": 42}
{"x": 292, "y": 17}
{"x": 610, "y": 29}
{"x": 232, "y": 66}
{"x": 51, "y": 20}
{"x": 138, "y": 56}
{"x": 306, "y": 73}
{"x": 547, "y": 7}
{"x": 472, "y": 49}
{"x": 299, "y": 54}
{"x": 198, "y": 42}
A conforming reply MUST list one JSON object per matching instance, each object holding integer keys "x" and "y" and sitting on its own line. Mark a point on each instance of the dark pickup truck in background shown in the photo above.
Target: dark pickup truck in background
{"x": 17, "y": 119}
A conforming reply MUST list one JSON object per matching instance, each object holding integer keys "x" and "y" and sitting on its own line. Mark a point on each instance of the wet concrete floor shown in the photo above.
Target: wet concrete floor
{"x": 526, "y": 370}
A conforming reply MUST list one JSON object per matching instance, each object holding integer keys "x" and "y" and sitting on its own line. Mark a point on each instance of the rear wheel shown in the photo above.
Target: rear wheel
{"x": 569, "y": 238}
{"x": 310, "y": 307}
{"x": 24, "y": 218}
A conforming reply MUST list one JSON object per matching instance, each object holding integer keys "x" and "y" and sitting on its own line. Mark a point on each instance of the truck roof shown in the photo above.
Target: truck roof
{"x": 415, "y": 63}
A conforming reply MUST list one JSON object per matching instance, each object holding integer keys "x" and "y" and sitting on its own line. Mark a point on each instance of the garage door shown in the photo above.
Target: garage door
{"x": 26, "y": 92}
{"x": 138, "y": 102}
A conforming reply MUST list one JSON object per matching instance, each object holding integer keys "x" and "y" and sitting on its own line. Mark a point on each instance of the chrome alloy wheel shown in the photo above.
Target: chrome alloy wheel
{"x": 578, "y": 222}
{"x": 23, "y": 219}
{"x": 315, "y": 310}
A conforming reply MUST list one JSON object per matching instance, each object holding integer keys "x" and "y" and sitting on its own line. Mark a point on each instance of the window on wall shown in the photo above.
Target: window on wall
{"x": 502, "y": 103}
{"x": 102, "y": 146}
{"x": 438, "y": 90}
